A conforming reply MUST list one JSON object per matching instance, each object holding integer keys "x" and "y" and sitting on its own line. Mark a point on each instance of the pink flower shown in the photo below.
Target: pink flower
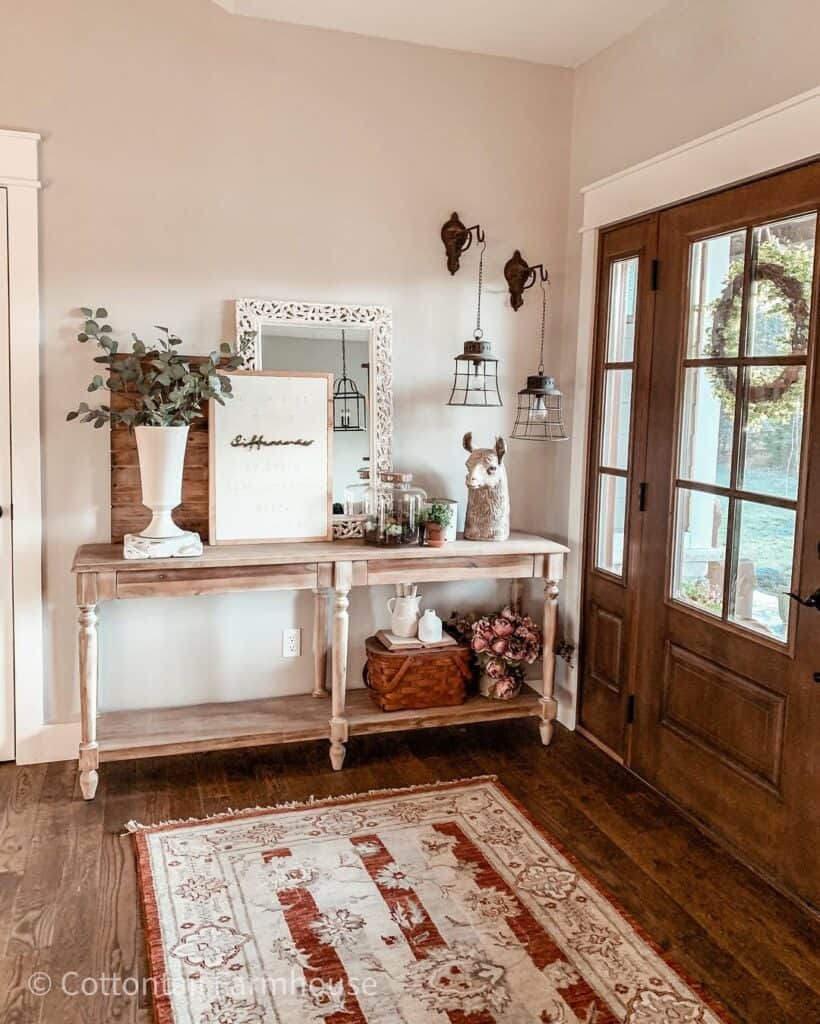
{"x": 495, "y": 668}
{"x": 500, "y": 646}
{"x": 479, "y": 644}
{"x": 506, "y": 688}
{"x": 516, "y": 649}
{"x": 502, "y": 626}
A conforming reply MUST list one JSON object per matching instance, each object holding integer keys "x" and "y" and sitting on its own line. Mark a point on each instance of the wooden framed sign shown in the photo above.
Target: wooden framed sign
{"x": 271, "y": 459}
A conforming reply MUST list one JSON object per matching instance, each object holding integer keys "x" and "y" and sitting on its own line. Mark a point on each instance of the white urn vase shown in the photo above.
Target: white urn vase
{"x": 162, "y": 456}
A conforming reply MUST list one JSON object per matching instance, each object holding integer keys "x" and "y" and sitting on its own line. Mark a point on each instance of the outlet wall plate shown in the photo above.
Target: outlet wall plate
{"x": 291, "y": 643}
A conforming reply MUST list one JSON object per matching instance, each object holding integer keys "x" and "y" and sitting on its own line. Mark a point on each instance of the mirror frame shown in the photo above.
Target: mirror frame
{"x": 254, "y": 314}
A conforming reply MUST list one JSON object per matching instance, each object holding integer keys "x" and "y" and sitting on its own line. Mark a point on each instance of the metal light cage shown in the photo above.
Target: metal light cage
{"x": 540, "y": 413}
{"x": 349, "y": 405}
{"x": 475, "y": 381}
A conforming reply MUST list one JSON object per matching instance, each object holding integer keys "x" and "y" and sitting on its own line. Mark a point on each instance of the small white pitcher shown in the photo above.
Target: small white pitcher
{"x": 404, "y": 615}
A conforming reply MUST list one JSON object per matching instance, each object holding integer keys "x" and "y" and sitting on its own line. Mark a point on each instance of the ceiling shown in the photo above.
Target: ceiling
{"x": 561, "y": 32}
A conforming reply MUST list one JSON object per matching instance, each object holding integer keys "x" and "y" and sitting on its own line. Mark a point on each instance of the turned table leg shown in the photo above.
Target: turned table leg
{"x": 342, "y": 581}
{"x": 516, "y": 591}
{"x": 549, "y": 705}
{"x": 89, "y": 759}
{"x": 320, "y": 642}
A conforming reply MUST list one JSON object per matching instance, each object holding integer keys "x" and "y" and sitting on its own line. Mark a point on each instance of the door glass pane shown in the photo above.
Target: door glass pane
{"x": 772, "y": 430}
{"x": 763, "y": 569}
{"x": 611, "y": 523}
{"x": 707, "y": 424}
{"x": 617, "y": 410}
{"x": 700, "y": 549}
{"x": 623, "y": 294}
{"x": 780, "y": 299}
{"x": 715, "y": 293}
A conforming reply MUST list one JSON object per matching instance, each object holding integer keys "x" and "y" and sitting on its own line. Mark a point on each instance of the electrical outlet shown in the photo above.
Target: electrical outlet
{"x": 291, "y": 643}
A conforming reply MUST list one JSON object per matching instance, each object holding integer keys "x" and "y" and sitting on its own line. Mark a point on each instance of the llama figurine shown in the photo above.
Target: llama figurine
{"x": 488, "y": 495}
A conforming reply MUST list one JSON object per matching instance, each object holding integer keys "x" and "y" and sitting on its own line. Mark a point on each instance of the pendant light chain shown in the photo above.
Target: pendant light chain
{"x": 543, "y": 326}
{"x": 344, "y": 355}
{"x": 478, "y": 334}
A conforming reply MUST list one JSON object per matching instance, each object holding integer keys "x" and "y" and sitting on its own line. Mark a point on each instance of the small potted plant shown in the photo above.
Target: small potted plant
{"x": 437, "y": 517}
{"x": 157, "y": 393}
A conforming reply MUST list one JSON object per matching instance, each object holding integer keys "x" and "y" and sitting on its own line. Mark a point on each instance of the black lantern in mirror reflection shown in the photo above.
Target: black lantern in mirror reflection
{"x": 475, "y": 381}
{"x": 540, "y": 413}
{"x": 349, "y": 407}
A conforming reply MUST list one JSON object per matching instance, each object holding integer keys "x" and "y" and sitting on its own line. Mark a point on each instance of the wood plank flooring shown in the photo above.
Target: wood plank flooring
{"x": 69, "y": 904}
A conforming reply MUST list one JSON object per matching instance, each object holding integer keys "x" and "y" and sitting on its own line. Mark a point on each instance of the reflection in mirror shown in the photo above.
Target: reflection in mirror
{"x": 322, "y": 349}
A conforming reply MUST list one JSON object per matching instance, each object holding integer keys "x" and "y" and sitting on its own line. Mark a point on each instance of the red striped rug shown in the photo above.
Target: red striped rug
{"x": 433, "y": 904}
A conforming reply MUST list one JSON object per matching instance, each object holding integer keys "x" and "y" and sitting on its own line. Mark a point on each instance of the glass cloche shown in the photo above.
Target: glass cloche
{"x": 357, "y": 496}
{"x": 398, "y": 511}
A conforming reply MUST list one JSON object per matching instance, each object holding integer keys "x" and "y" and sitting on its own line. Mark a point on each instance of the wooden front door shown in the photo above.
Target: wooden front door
{"x": 724, "y": 664}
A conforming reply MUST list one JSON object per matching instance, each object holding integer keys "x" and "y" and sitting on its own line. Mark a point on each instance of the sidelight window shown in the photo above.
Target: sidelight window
{"x": 613, "y": 454}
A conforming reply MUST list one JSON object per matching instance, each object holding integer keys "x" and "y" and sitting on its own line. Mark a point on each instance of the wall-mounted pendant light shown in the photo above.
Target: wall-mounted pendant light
{"x": 475, "y": 381}
{"x": 349, "y": 408}
{"x": 457, "y": 240}
{"x": 540, "y": 413}
{"x": 521, "y": 276}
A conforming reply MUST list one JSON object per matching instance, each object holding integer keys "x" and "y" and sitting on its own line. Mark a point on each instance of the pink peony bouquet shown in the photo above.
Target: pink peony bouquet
{"x": 504, "y": 644}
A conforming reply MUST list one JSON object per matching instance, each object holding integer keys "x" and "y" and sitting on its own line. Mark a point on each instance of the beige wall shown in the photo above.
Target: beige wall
{"x": 190, "y": 157}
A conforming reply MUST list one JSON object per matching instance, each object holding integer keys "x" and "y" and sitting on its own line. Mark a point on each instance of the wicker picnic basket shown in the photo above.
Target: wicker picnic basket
{"x": 400, "y": 680}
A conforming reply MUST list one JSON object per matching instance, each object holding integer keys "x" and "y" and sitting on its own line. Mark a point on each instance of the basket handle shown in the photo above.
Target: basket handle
{"x": 394, "y": 682}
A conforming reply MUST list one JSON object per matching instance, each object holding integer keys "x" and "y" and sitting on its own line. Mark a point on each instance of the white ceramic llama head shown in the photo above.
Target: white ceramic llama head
{"x": 488, "y": 496}
{"x": 484, "y": 466}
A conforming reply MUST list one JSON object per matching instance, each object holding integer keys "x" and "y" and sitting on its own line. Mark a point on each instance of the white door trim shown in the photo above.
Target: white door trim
{"x": 782, "y": 135}
{"x": 19, "y": 176}
{"x": 6, "y": 601}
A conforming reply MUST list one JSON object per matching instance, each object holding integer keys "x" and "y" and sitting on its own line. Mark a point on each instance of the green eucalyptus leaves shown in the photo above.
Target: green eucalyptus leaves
{"x": 163, "y": 387}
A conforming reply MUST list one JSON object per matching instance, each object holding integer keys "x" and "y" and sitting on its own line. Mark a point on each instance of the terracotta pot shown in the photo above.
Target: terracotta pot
{"x": 436, "y": 535}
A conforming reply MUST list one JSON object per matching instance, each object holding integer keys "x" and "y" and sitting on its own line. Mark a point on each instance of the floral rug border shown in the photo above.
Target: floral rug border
{"x": 162, "y": 1009}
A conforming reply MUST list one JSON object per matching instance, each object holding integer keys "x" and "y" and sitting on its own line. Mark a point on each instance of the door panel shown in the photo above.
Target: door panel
{"x": 623, "y": 336}
{"x": 6, "y": 621}
{"x": 727, "y": 717}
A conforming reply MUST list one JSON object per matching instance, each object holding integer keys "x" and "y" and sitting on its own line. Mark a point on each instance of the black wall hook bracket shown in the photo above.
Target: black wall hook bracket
{"x": 457, "y": 239}
{"x": 521, "y": 276}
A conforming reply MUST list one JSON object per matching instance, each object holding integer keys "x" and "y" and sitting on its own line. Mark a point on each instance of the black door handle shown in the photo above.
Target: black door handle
{"x": 812, "y": 601}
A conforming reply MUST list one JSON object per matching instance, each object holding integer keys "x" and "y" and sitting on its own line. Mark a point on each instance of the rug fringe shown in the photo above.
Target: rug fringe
{"x": 132, "y": 827}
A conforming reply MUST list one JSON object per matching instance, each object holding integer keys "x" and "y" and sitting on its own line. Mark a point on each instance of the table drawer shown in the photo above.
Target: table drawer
{"x": 187, "y": 582}
{"x": 460, "y": 567}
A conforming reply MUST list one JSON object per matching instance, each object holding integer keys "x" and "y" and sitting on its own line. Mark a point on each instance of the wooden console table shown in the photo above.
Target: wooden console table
{"x": 102, "y": 574}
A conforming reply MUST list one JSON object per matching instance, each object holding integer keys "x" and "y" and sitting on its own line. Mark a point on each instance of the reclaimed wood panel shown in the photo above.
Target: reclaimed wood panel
{"x": 128, "y": 514}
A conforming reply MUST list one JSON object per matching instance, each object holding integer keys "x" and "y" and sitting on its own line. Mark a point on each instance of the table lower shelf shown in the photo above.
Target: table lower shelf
{"x": 252, "y": 723}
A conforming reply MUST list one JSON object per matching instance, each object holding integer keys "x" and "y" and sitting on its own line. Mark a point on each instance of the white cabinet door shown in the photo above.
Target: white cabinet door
{"x": 6, "y": 620}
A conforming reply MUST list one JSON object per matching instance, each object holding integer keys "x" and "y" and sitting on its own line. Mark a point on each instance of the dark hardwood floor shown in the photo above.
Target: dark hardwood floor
{"x": 69, "y": 905}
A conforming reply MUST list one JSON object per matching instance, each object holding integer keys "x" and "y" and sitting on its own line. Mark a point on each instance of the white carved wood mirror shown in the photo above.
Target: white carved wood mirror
{"x": 354, "y": 343}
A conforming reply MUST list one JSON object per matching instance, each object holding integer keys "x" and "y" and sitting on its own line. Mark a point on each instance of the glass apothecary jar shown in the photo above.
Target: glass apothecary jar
{"x": 357, "y": 496}
{"x": 398, "y": 511}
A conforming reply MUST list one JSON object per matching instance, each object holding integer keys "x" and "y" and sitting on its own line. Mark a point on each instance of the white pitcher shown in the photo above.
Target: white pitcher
{"x": 404, "y": 615}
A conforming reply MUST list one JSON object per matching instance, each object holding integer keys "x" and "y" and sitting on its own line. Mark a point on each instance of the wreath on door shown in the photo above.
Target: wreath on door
{"x": 792, "y": 291}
